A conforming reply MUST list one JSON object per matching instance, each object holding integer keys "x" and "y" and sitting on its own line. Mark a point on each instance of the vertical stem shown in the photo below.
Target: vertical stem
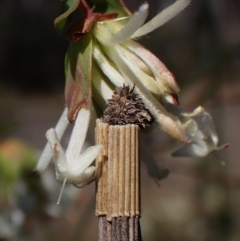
{"x": 122, "y": 161}
{"x": 137, "y": 188}
{"x": 115, "y": 177}
{"x": 127, "y": 170}
{"x": 118, "y": 198}
{"x": 133, "y": 170}
{"x": 110, "y": 174}
{"x": 101, "y": 136}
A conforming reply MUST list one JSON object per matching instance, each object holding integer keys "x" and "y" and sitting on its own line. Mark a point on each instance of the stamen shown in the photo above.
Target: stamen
{"x": 61, "y": 191}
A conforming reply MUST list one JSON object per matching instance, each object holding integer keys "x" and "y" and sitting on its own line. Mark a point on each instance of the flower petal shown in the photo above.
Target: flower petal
{"x": 83, "y": 162}
{"x": 203, "y": 135}
{"x": 46, "y": 155}
{"x": 209, "y": 127}
{"x": 192, "y": 150}
{"x": 78, "y": 135}
{"x": 58, "y": 153}
{"x": 73, "y": 167}
{"x": 147, "y": 79}
{"x": 163, "y": 77}
{"x": 161, "y": 18}
{"x": 84, "y": 178}
{"x": 100, "y": 85}
{"x": 135, "y": 21}
{"x": 107, "y": 67}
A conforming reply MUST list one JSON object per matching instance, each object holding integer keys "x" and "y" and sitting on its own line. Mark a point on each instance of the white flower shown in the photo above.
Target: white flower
{"x": 72, "y": 166}
{"x": 109, "y": 57}
{"x": 123, "y": 61}
{"x": 204, "y": 138}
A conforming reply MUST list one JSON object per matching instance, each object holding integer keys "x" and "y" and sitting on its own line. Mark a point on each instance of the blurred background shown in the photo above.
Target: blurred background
{"x": 198, "y": 201}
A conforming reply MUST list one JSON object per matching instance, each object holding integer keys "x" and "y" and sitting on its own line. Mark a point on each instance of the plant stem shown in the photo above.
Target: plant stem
{"x": 118, "y": 182}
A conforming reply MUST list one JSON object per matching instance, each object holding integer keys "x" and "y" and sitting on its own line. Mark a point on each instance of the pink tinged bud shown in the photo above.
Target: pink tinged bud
{"x": 163, "y": 77}
{"x": 152, "y": 72}
{"x": 172, "y": 99}
{"x": 78, "y": 75}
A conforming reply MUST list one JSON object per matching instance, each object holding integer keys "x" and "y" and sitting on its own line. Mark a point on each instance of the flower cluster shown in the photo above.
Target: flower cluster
{"x": 103, "y": 55}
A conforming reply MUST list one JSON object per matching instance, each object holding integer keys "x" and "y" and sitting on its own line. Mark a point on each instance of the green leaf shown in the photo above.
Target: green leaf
{"x": 119, "y": 7}
{"x": 70, "y": 6}
{"x": 78, "y": 68}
